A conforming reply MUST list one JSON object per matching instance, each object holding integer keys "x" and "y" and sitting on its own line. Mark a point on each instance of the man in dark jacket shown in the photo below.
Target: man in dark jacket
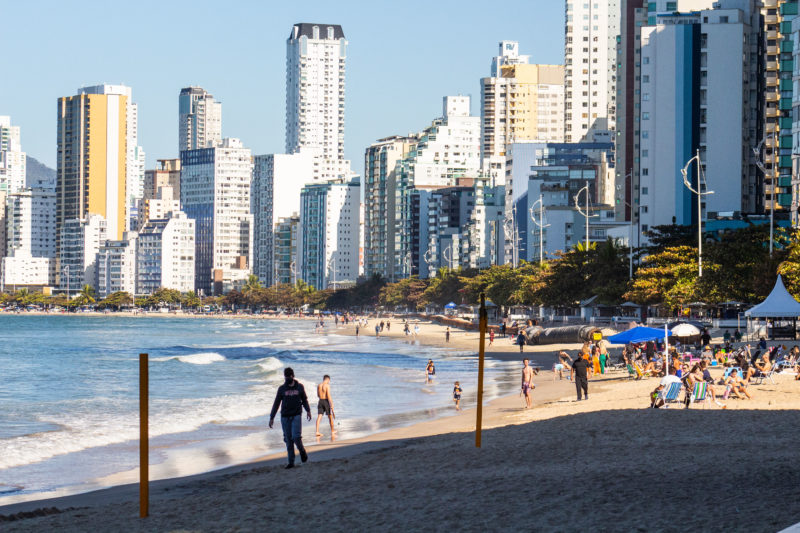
{"x": 579, "y": 375}
{"x": 292, "y": 400}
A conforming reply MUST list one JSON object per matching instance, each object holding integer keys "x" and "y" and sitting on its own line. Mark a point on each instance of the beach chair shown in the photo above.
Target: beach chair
{"x": 699, "y": 393}
{"x": 631, "y": 371}
{"x": 670, "y": 394}
{"x": 761, "y": 377}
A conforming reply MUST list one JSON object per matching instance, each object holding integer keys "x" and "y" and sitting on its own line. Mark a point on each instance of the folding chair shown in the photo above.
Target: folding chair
{"x": 731, "y": 369}
{"x": 670, "y": 394}
{"x": 760, "y": 377}
{"x": 699, "y": 393}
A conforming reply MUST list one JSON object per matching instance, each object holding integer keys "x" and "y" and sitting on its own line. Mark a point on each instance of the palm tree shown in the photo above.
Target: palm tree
{"x": 85, "y": 297}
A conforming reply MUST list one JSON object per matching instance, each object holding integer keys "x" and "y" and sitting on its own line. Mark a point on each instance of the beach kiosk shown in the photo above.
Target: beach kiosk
{"x": 779, "y": 306}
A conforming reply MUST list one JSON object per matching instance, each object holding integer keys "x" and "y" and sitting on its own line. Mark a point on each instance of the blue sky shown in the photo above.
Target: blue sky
{"x": 402, "y": 58}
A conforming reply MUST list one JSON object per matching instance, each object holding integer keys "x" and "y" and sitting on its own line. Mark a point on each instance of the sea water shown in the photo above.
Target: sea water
{"x": 69, "y": 392}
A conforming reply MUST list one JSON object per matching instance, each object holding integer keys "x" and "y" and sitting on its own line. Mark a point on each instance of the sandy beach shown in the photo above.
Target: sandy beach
{"x": 607, "y": 464}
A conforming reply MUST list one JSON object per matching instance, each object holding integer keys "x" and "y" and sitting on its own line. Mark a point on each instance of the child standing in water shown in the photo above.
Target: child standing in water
{"x": 457, "y": 395}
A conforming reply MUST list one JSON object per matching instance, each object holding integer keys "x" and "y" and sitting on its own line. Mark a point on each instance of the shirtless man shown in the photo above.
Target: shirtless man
{"x": 527, "y": 383}
{"x": 325, "y": 405}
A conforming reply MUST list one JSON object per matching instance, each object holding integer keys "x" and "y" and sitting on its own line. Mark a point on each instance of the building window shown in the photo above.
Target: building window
{"x": 644, "y": 191}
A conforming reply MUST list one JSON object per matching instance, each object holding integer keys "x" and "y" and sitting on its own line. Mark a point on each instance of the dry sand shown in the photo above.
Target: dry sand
{"x": 607, "y": 464}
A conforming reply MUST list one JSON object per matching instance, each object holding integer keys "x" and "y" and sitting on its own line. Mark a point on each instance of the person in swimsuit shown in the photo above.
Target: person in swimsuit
{"x": 325, "y": 404}
{"x": 430, "y": 371}
{"x": 457, "y": 395}
{"x": 527, "y": 383}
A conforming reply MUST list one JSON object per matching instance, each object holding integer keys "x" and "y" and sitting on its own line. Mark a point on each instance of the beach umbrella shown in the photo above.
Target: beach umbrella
{"x": 638, "y": 334}
{"x": 685, "y": 330}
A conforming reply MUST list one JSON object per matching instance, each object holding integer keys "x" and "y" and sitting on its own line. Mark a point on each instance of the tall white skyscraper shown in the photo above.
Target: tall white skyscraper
{"x": 12, "y": 158}
{"x": 590, "y": 69}
{"x": 315, "y": 69}
{"x": 199, "y": 119}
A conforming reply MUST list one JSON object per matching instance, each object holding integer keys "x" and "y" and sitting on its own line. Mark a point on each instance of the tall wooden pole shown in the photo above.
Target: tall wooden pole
{"x": 144, "y": 443}
{"x": 482, "y": 323}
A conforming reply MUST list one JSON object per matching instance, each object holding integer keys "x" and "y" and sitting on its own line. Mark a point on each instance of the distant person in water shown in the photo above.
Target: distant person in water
{"x": 292, "y": 399}
{"x": 430, "y": 371}
{"x": 457, "y": 395}
{"x": 325, "y": 404}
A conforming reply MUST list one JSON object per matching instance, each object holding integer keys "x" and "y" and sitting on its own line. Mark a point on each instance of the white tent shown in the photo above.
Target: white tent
{"x": 779, "y": 304}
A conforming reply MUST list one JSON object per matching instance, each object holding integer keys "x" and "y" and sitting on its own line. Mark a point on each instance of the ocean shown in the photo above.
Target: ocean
{"x": 69, "y": 393}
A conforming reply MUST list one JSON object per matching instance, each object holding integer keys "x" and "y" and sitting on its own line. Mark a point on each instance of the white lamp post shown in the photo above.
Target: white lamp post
{"x": 763, "y": 168}
{"x": 699, "y": 192}
{"x": 587, "y": 214}
{"x": 540, "y": 224}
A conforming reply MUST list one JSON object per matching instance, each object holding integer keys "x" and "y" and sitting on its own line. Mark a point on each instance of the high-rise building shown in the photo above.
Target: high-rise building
{"x": 380, "y": 181}
{"x": 166, "y": 254}
{"x": 590, "y": 69}
{"x": 12, "y": 158}
{"x": 286, "y": 240}
{"x": 30, "y": 225}
{"x": 446, "y": 150}
{"x": 115, "y": 268}
{"x": 275, "y": 194}
{"x": 134, "y": 154}
{"x": 328, "y": 235}
{"x": 776, "y": 153}
{"x": 519, "y": 102}
{"x": 698, "y": 85}
{"x": 199, "y": 119}
{"x": 556, "y": 172}
{"x": 30, "y": 231}
{"x": 167, "y": 173}
{"x": 96, "y": 142}
{"x": 80, "y": 240}
{"x": 796, "y": 123}
{"x": 215, "y": 193}
{"x": 159, "y": 207}
{"x": 315, "y": 96}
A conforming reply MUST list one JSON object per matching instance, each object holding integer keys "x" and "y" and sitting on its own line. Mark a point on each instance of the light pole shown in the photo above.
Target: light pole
{"x": 629, "y": 175}
{"x": 428, "y": 257}
{"x": 409, "y": 263}
{"x": 450, "y": 259}
{"x": 587, "y": 214}
{"x": 699, "y": 192}
{"x": 293, "y": 269}
{"x": 540, "y": 224}
{"x": 763, "y": 168}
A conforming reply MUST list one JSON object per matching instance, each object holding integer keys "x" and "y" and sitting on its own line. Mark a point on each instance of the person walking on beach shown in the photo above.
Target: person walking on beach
{"x": 377, "y": 330}
{"x": 356, "y": 330}
{"x": 491, "y": 337}
{"x": 292, "y": 399}
{"x": 521, "y": 339}
{"x": 579, "y": 374}
{"x": 325, "y": 404}
{"x": 430, "y": 371}
{"x": 457, "y": 395}
{"x": 447, "y": 335}
{"x": 527, "y": 383}
{"x": 503, "y": 329}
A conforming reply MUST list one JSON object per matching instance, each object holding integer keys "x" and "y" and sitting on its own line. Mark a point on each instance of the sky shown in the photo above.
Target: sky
{"x": 402, "y": 58}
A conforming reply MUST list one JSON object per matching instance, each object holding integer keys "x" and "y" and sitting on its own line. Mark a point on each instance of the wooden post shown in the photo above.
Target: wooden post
{"x": 482, "y": 322}
{"x": 144, "y": 444}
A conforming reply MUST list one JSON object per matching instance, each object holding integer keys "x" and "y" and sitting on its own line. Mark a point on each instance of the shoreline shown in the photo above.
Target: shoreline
{"x": 614, "y": 419}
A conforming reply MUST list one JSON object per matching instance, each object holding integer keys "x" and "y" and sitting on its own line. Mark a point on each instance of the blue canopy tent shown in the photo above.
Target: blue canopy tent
{"x": 638, "y": 334}
{"x": 451, "y": 305}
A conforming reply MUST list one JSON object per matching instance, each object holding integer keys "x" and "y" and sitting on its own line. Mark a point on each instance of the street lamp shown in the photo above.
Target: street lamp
{"x": 699, "y": 192}
{"x": 293, "y": 269}
{"x": 332, "y": 266}
{"x": 587, "y": 213}
{"x": 763, "y": 168}
{"x": 409, "y": 263}
{"x": 449, "y": 260}
{"x": 630, "y": 225}
{"x": 540, "y": 224}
